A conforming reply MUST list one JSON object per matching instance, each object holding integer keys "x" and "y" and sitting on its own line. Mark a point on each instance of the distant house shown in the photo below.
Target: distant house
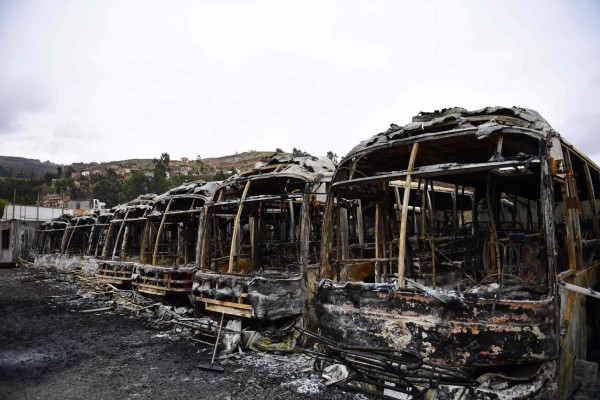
{"x": 85, "y": 173}
{"x": 185, "y": 160}
{"x": 185, "y": 170}
{"x": 80, "y": 206}
{"x": 56, "y": 200}
{"x": 121, "y": 171}
{"x": 75, "y": 175}
{"x": 149, "y": 175}
{"x": 97, "y": 172}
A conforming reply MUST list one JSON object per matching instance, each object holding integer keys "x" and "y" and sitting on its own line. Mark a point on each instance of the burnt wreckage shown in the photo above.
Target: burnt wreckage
{"x": 75, "y": 240}
{"x": 98, "y": 233}
{"x": 170, "y": 240}
{"x": 51, "y": 234}
{"x": 454, "y": 238}
{"x": 261, "y": 233}
{"x": 123, "y": 239}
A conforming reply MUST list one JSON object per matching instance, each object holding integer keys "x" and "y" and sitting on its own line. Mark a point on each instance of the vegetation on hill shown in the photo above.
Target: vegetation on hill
{"x": 24, "y": 190}
{"x": 3, "y": 204}
{"x": 20, "y": 167}
{"x": 116, "y": 182}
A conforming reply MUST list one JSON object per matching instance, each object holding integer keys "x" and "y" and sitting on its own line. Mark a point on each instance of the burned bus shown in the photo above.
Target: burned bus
{"x": 455, "y": 238}
{"x": 261, "y": 233}
{"x": 122, "y": 243}
{"x": 98, "y": 233}
{"x": 51, "y": 233}
{"x": 75, "y": 240}
{"x": 169, "y": 245}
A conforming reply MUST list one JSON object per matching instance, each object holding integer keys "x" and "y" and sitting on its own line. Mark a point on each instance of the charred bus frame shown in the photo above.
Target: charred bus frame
{"x": 75, "y": 240}
{"x": 260, "y": 235}
{"x": 409, "y": 261}
{"x": 98, "y": 233}
{"x": 123, "y": 241}
{"x": 51, "y": 234}
{"x": 169, "y": 246}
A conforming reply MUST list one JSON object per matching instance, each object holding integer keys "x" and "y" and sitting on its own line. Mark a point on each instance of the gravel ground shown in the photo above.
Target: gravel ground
{"x": 49, "y": 349}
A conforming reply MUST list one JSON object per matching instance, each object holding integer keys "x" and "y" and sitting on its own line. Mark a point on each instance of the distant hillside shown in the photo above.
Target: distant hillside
{"x": 114, "y": 182}
{"x": 20, "y": 167}
{"x": 239, "y": 161}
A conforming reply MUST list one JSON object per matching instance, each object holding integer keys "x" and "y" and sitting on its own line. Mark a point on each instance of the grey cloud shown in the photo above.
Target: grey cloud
{"x": 17, "y": 98}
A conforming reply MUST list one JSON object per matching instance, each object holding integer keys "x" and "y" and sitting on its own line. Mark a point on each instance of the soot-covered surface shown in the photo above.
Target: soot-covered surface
{"x": 50, "y": 350}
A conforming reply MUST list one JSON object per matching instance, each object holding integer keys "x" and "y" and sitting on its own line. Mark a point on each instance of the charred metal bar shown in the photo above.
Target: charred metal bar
{"x": 573, "y": 206}
{"x": 65, "y": 246}
{"x": 578, "y": 289}
{"x": 592, "y": 199}
{"x": 338, "y": 240}
{"x": 455, "y": 211}
{"x": 493, "y": 232}
{"x": 378, "y": 243}
{"x": 432, "y": 211}
{"x": 360, "y": 228}
{"x": 424, "y": 209}
{"x": 234, "y": 250}
{"x": 441, "y": 170}
{"x": 160, "y": 228}
{"x": 404, "y": 223}
{"x": 409, "y": 373}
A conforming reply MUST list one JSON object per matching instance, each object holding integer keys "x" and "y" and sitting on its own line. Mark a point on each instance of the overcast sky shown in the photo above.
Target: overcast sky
{"x": 111, "y": 80}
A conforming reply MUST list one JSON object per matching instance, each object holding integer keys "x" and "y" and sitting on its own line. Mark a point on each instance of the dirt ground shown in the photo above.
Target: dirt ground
{"x": 49, "y": 349}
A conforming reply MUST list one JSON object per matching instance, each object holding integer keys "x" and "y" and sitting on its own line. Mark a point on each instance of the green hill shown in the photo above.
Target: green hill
{"x": 20, "y": 167}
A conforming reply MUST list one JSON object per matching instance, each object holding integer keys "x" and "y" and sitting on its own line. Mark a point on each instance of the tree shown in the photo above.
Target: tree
{"x": 163, "y": 162}
{"x": 26, "y": 189}
{"x": 68, "y": 171}
{"x": 161, "y": 167}
{"x": 221, "y": 175}
{"x": 136, "y": 185}
{"x": 108, "y": 189}
{"x": 299, "y": 153}
{"x": 5, "y": 171}
{"x": 3, "y": 204}
{"x": 332, "y": 156}
{"x": 48, "y": 176}
{"x": 278, "y": 150}
{"x": 59, "y": 171}
{"x": 62, "y": 185}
